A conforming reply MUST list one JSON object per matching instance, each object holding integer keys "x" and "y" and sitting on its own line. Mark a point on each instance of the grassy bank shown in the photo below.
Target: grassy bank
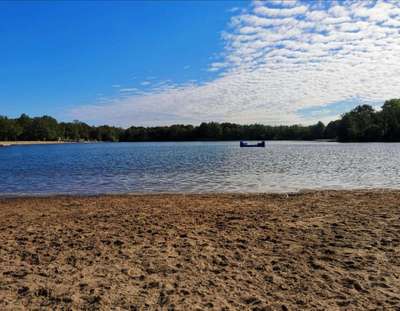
{"x": 332, "y": 250}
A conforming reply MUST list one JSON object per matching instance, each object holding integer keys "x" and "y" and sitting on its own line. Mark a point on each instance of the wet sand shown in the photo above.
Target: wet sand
{"x": 309, "y": 251}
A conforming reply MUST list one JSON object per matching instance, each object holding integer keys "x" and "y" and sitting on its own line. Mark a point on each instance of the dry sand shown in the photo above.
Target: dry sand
{"x": 314, "y": 251}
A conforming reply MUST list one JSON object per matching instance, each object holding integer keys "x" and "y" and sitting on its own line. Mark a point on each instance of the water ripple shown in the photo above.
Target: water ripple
{"x": 196, "y": 167}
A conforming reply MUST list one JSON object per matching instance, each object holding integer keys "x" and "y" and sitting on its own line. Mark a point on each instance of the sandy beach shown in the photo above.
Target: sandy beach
{"x": 330, "y": 250}
{"x": 17, "y": 143}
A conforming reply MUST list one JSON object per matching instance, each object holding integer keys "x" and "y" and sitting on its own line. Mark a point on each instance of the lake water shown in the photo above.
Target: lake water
{"x": 196, "y": 167}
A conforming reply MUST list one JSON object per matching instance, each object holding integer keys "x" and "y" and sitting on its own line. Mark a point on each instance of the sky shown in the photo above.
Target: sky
{"x": 168, "y": 62}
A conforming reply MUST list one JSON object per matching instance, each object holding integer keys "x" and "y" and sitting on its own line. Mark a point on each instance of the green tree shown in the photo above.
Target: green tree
{"x": 24, "y": 122}
{"x": 317, "y": 131}
{"x": 44, "y": 128}
{"x": 390, "y": 118}
{"x": 9, "y": 129}
{"x": 209, "y": 131}
{"x": 354, "y": 124}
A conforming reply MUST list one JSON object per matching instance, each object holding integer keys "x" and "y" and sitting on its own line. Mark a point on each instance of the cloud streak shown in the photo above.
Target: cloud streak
{"x": 279, "y": 58}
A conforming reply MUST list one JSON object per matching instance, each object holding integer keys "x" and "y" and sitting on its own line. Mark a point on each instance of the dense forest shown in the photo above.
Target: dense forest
{"x": 362, "y": 124}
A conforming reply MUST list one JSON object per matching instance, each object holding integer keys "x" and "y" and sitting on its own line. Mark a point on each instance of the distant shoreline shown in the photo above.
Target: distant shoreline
{"x": 17, "y": 143}
{"x": 38, "y": 142}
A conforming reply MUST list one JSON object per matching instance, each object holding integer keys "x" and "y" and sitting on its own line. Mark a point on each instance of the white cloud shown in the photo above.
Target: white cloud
{"x": 279, "y": 3}
{"x": 316, "y": 15}
{"x": 338, "y": 11}
{"x": 132, "y": 89}
{"x": 280, "y": 12}
{"x": 275, "y": 62}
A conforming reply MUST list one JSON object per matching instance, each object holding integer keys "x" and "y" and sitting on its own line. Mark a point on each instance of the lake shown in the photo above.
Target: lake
{"x": 196, "y": 167}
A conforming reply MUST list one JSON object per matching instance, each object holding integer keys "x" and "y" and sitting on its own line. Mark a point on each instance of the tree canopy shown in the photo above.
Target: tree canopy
{"x": 362, "y": 124}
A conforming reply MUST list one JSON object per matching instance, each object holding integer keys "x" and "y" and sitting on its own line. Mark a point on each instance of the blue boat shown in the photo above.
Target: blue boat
{"x": 260, "y": 144}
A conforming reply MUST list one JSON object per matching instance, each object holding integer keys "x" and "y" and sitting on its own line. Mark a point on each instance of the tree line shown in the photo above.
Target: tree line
{"x": 362, "y": 124}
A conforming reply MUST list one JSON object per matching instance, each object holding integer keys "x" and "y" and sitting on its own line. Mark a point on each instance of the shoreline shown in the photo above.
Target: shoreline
{"x": 38, "y": 142}
{"x": 27, "y": 143}
{"x": 285, "y": 194}
{"x": 336, "y": 250}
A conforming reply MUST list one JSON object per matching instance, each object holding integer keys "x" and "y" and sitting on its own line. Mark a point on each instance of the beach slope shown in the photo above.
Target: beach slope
{"x": 330, "y": 250}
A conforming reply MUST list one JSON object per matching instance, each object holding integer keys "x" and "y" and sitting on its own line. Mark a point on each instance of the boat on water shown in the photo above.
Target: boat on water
{"x": 260, "y": 144}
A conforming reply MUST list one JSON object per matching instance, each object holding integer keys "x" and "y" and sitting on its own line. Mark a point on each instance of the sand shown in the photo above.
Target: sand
{"x": 331, "y": 250}
{"x": 38, "y": 142}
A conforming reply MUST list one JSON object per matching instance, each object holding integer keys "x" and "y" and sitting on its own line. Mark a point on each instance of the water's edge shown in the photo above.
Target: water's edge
{"x": 285, "y": 194}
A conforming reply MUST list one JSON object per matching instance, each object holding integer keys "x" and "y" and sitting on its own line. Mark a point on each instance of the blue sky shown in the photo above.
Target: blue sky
{"x": 58, "y": 55}
{"x": 165, "y": 62}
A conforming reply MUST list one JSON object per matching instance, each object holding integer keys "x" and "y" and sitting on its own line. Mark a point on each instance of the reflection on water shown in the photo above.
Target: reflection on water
{"x": 196, "y": 167}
